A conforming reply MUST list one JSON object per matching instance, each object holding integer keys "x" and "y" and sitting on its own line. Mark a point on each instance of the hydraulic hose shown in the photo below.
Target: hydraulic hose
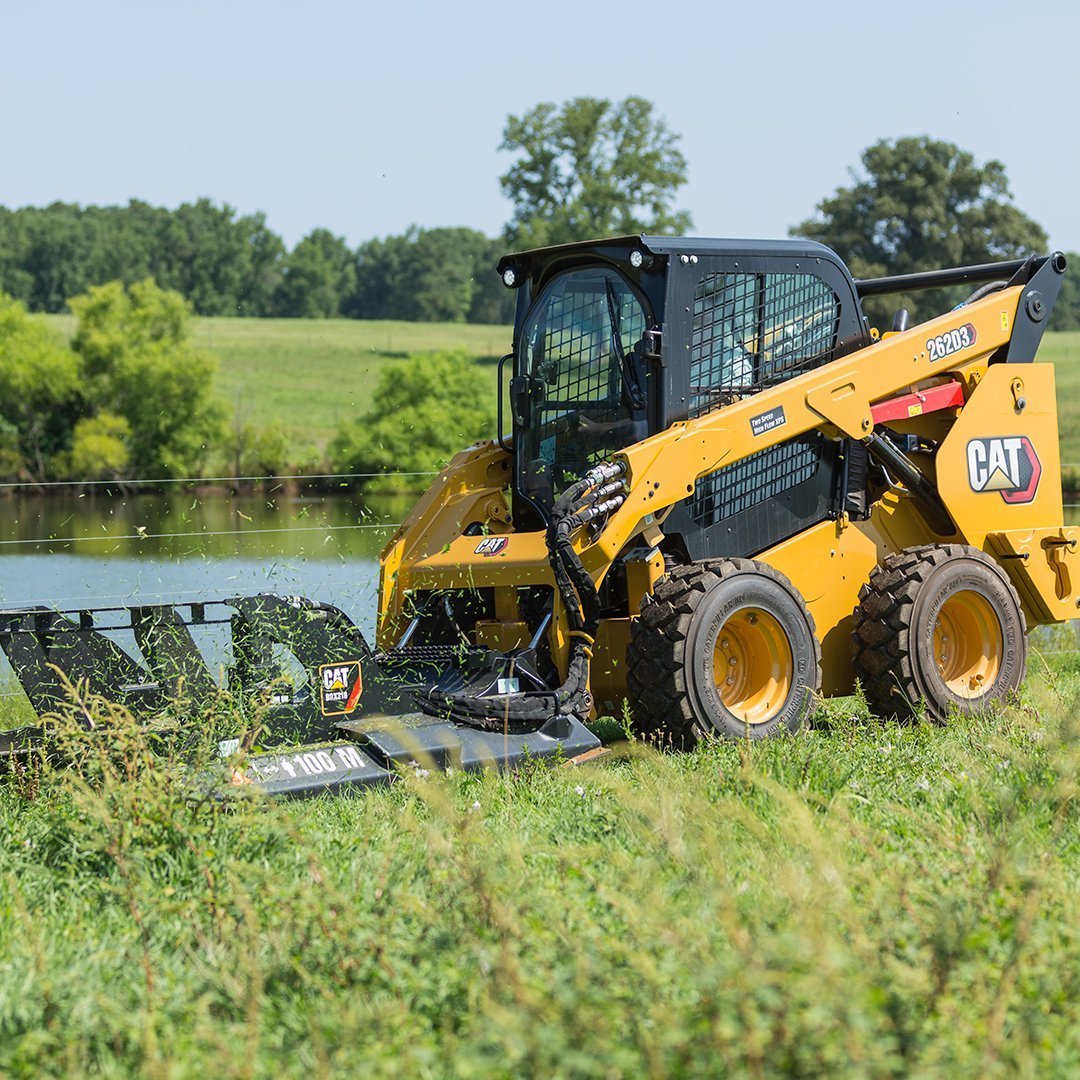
{"x": 598, "y": 493}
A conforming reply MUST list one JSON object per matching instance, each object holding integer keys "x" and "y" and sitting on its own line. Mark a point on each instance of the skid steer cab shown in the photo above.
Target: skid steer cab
{"x": 717, "y": 493}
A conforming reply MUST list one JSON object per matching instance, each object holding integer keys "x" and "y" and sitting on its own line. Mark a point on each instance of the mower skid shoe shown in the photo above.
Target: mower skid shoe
{"x": 441, "y": 744}
{"x": 378, "y": 749}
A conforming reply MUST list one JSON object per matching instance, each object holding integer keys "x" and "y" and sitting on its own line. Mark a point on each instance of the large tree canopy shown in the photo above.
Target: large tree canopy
{"x": 431, "y": 275}
{"x": 318, "y": 279}
{"x": 922, "y": 204}
{"x": 591, "y": 168}
{"x": 138, "y": 365}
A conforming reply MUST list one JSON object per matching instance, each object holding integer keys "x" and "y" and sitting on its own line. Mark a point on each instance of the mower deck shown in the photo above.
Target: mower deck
{"x": 371, "y": 755}
{"x": 341, "y": 715}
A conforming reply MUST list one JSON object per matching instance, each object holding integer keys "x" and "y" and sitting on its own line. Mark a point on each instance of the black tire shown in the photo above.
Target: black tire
{"x": 903, "y": 654}
{"x": 698, "y": 614}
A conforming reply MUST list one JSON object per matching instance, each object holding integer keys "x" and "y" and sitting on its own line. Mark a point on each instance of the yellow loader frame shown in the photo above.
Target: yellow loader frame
{"x": 828, "y": 562}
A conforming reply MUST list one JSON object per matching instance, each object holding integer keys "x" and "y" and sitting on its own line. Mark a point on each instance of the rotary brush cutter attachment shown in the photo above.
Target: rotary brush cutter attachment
{"x": 330, "y": 713}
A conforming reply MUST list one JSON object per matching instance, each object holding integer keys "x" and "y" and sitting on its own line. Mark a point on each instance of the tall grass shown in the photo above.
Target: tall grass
{"x": 868, "y": 898}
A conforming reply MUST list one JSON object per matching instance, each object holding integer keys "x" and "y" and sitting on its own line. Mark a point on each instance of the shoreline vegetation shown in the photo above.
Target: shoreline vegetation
{"x": 304, "y": 378}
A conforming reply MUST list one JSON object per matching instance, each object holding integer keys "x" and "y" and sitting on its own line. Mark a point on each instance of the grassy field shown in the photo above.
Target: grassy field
{"x": 1063, "y": 350}
{"x": 865, "y": 899}
{"x": 311, "y": 374}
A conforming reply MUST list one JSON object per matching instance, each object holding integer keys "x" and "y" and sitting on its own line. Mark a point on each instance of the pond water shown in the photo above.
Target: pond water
{"x": 111, "y": 549}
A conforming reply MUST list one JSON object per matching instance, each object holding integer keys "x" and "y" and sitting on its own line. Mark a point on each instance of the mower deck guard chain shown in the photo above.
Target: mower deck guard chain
{"x": 324, "y": 743}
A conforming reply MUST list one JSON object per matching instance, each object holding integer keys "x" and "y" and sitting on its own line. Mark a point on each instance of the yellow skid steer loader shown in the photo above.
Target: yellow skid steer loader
{"x": 719, "y": 494}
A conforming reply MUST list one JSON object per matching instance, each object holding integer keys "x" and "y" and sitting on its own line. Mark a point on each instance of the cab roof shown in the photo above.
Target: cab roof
{"x": 671, "y": 245}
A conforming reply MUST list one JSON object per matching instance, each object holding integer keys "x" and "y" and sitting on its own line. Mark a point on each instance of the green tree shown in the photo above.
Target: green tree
{"x": 265, "y": 252}
{"x": 55, "y": 253}
{"x": 492, "y": 301}
{"x": 318, "y": 278}
{"x": 41, "y": 395}
{"x": 922, "y": 204}
{"x": 268, "y": 451}
{"x": 591, "y": 168}
{"x": 423, "y": 411}
{"x": 222, "y": 264}
{"x": 99, "y": 449}
{"x": 138, "y": 363}
{"x": 444, "y": 269}
{"x": 382, "y": 275}
{"x": 431, "y": 275}
{"x": 16, "y": 281}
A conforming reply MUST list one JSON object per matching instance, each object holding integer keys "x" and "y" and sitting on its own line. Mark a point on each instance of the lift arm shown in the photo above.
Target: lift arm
{"x": 663, "y": 469}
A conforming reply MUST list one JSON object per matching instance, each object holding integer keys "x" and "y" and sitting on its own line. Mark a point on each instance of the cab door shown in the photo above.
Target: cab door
{"x": 580, "y": 392}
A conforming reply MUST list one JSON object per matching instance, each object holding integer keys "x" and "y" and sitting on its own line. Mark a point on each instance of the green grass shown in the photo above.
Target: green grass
{"x": 312, "y": 374}
{"x": 1063, "y": 350}
{"x": 865, "y": 899}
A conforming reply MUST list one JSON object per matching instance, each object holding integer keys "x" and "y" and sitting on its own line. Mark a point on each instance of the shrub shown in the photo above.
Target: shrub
{"x": 99, "y": 449}
{"x": 138, "y": 363}
{"x": 40, "y": 393}
{"x": 422, "y": 413}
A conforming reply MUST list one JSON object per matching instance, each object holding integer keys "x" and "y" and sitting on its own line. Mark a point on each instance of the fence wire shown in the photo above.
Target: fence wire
{"x": 206, "y": 532}
{"x": 146, "y": 480}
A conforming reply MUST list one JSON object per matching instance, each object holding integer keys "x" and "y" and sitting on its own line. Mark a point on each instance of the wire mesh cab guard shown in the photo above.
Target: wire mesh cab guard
{"x": 742, "y": 321}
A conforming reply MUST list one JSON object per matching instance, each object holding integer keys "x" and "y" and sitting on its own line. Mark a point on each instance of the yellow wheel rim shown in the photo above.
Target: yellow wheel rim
{"x": 968, "y": 644}
{"x": 753, "y": 666}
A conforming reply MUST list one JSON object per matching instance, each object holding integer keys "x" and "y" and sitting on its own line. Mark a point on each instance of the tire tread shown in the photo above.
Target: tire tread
{"x": 657, "y": 683}
{"x": 882, "y": 623}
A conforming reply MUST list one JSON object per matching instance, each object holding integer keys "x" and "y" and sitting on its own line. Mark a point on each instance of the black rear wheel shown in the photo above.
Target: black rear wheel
{"x": 722, "y": 648}
{"x": 939, "y": 628}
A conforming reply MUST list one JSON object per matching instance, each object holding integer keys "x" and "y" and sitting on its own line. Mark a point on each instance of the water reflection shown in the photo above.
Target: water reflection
{"x": 107, "y": 551}
{"x": 190, "y": 526}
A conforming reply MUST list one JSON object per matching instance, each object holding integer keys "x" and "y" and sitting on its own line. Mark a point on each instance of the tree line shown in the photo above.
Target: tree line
{"x": 586, "y": 168}
{"x": 226, "y": 263}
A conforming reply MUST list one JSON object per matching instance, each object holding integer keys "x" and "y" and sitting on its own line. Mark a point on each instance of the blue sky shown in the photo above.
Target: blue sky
{"x": 366, "y": 118}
